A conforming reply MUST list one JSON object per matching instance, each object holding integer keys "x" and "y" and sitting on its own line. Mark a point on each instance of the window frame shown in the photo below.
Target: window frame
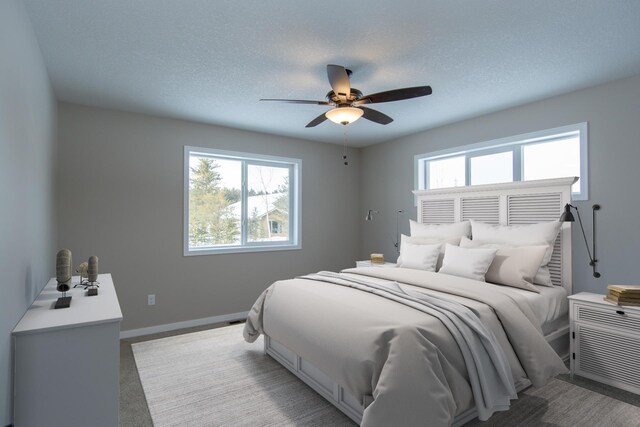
{"x": 514, "y": 144}
{"x": 247, "y": 159}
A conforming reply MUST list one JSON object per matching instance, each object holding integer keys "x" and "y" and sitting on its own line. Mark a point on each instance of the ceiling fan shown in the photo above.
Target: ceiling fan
{"x": 348, "y": 101}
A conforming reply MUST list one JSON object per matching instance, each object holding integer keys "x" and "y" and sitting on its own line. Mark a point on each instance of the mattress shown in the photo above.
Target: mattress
{"x": 550, "y": 306}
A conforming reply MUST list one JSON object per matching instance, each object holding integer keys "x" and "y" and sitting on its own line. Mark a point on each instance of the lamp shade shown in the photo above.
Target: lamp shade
{"x": 567, "y": 216}
{"x": 344, "y": 115}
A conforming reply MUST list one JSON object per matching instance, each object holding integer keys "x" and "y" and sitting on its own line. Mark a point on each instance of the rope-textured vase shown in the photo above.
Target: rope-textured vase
{"x": 63, "y": 270}
{"x": 92, "y": 270}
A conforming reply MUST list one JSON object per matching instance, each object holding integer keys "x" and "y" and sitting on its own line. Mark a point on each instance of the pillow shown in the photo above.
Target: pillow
{"x": 467, "y": 262}
{"x": 419, "y": 257}
{"x": 428, "y": 241}
{"x": 512, "y": 266}
{"x": 440, "y": 231}
{"x": 543, "y": 233}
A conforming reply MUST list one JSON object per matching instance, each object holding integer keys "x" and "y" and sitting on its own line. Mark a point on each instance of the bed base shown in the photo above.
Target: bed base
{"x": 352, "y": 406}
{"x": 559, "y": 341}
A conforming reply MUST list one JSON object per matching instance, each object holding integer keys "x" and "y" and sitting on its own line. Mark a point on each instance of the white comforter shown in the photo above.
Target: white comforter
{"x": 406, "y": 359}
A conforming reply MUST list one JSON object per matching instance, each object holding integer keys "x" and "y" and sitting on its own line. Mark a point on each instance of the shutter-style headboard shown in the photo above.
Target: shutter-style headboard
{"x": 525, "y": 202}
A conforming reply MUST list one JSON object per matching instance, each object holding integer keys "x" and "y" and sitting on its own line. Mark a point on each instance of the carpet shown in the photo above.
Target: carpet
{"x": 215, "y": 378}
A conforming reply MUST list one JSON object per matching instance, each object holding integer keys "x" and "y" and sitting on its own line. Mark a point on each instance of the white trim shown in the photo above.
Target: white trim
{"x": 240, "y": 155}
{"x": 584, "y": 162}
{"x": 539, "y": 183}
{"x": 295, "y": 203}
{"x": 275, "y": 246}
{"x": 523, "y": 138}
{"x": 185, "y": 324}
{"x": 582, "y": 129}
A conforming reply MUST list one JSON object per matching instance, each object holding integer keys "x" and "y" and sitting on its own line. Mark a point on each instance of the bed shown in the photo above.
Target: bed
{"x": 375, "y": 341}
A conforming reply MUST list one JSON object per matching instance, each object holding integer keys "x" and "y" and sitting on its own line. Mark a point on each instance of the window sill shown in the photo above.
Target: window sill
{"x": 241, "y": 249}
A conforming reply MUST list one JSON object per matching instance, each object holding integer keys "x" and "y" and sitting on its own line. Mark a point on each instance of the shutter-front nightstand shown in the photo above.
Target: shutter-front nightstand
{"x": 605, "y": 341}
{"x": 367, "y": 263}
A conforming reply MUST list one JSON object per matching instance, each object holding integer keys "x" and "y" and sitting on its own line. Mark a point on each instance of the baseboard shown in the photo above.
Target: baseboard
{"x": 181, "y": 325}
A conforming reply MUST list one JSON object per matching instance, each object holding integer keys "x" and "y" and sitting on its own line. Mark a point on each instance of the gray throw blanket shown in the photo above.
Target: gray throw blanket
{"x": 487, "y": 365}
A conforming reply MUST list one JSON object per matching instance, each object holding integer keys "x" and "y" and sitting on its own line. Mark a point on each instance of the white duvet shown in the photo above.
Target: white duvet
{"x": 406, "y": 359}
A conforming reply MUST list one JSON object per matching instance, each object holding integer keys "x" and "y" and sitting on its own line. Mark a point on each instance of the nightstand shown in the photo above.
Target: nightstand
{"x": 605, "y": 341}
{"x": 368, "y": 263}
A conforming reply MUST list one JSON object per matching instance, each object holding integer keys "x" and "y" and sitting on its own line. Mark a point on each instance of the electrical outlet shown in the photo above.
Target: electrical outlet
{"x": 151, "y": 299}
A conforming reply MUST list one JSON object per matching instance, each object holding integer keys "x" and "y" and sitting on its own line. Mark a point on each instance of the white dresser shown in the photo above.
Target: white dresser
{"x": 67, "y": 361}
{"x": 605, "y": 341}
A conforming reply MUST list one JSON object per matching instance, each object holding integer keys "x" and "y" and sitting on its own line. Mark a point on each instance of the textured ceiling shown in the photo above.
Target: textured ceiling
{"x": 211, "y": 61}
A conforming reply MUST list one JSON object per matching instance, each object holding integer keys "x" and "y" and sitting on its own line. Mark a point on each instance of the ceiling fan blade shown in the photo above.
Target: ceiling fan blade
{"x": 339, "y": 80}
{"x": 376, "y": 116}
{"x": 298, "y": 101}
{"x": 395, "y": 95}
{"x": 315, "y": 122}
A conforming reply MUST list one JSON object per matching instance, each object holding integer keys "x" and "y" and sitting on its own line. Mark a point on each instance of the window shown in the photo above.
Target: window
{"x": 275, "y": 227}
{"x": 553, "y": 153}
{"x": 239, "y": 202}
{"x": 447, "y": 172}
{"x": 552, "y": 159}
{"x": 491, "y": 168}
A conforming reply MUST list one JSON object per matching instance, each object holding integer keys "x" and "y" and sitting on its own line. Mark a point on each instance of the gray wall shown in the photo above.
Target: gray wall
{"x": 27, "y": 155}
{"x": 121, "y": 188}
{"x": 613, "y": 113}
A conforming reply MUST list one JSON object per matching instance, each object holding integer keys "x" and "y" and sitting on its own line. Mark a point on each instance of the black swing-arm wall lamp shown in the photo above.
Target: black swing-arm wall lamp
{"x": 567, "y": 216}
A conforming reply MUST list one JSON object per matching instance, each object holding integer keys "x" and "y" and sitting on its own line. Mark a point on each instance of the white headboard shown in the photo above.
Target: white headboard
{"x": 524, "y": 202}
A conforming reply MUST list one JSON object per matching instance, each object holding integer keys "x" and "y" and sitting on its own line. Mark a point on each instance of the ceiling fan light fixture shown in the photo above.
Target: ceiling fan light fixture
{"x": 344, "y": 115}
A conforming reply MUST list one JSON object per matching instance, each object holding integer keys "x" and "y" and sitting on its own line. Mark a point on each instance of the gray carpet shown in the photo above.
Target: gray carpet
{"x": 214, "y": 378}
{"x": 134, "y": 411}
{"x": 560, "y": 403}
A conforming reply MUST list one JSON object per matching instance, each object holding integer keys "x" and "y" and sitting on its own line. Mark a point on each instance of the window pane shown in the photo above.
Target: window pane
{"x": 215, "y": 205}
{"x": 447, "y": 172}
{"x": 556, "y": 159}
{"x": 267, "y": 203}
{"x": 492, "y": 168}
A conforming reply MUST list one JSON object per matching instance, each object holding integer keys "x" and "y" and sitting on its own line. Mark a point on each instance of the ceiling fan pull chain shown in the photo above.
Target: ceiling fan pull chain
{"x": 344, "y": 146}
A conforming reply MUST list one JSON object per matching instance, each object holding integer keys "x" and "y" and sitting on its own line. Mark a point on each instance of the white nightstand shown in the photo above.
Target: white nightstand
{"x": 605, "y": 341}
{"x": 368, "y": 263}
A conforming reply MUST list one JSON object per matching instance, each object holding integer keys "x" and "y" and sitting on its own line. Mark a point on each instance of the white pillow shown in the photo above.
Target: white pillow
{"x": 440, "y": 231}
{"x": 428, "y": 241}
{"x": 543, "y": 233}
{"x": 514, "y": 266}
{"x": 419, "y": 257}
{"x": 466, "y": 262}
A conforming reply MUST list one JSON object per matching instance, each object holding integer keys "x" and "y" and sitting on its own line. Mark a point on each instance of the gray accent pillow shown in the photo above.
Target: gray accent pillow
{"x": 514, "y": 266}
{"x": 542, "y": 233}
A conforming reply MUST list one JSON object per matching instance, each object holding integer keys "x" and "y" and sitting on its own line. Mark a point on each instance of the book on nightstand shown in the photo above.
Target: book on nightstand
{"x": 623, "y": 295}
{"x": 377, "y": 258}
{"x": 631, "y": 301}
{"x": 627, "y": 289}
